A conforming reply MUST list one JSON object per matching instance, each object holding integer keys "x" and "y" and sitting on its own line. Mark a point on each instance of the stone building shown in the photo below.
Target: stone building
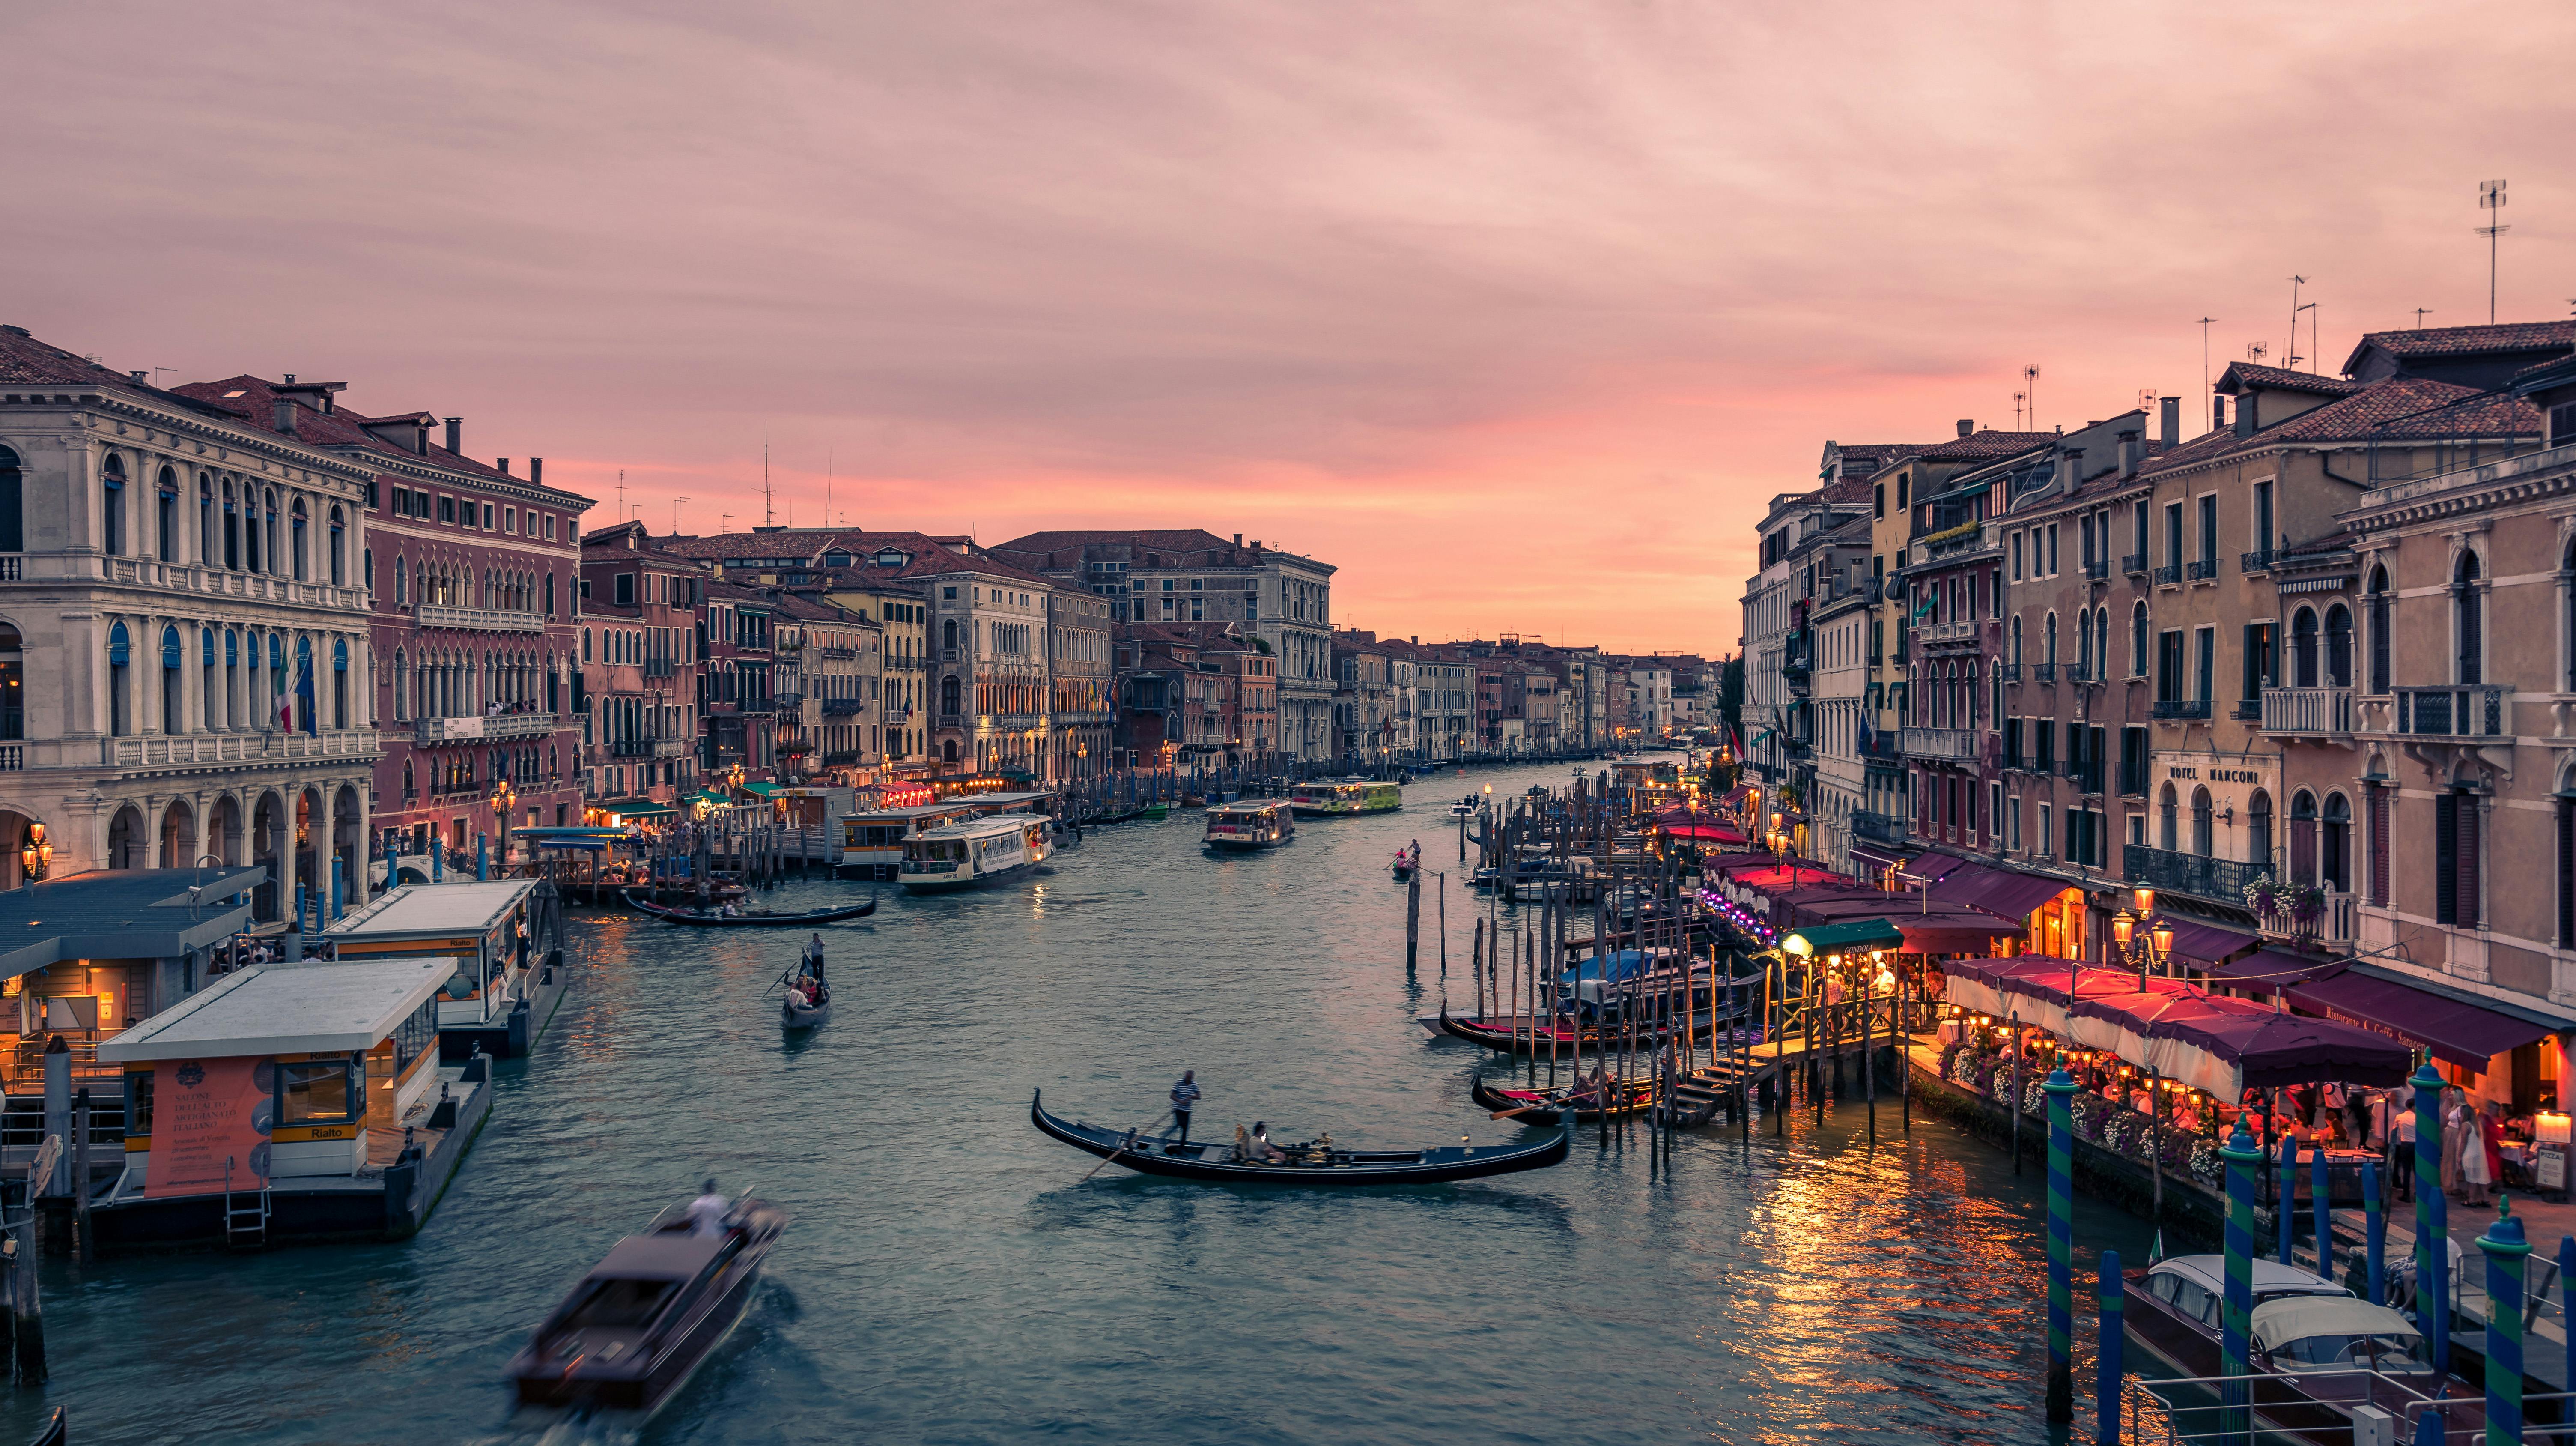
{"x": 640, "y": 668}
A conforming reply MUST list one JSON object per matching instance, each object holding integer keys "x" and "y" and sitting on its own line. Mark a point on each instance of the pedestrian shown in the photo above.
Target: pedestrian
{"x": 2399, "y": 1132}
{"x": 2454, "y": 1117}
{"x": 1185, "y": 1097}
{"x": 2478, "y": 1163}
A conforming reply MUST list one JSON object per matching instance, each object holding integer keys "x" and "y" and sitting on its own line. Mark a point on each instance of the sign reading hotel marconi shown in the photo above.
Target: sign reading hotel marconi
{"x": 206, "y": 1112}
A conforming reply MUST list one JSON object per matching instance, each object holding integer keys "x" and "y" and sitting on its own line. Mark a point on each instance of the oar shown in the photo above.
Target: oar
{"x": 1525, "y": 1109}
{"x": 1122, "y": 1147}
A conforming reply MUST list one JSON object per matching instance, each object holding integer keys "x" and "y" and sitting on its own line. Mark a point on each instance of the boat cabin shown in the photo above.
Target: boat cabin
{"x": 1251, "y": 824}
{"x": 872, "y": 843}
{"x": 505, "y": 937}
{"x": 1329, "y": 798}
{"x": 1022, "y": 801}
{"x": 961, "y": 855}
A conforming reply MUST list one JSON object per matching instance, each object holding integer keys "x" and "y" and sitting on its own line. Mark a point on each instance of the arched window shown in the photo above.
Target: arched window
{"x": 339, "y": 555}
{"x": 2102, "y": 643}
{"x": 948, "y": 633}
{"x": 295, "y": 526}
{"x": 112, "y": 506}
{"x": 2258, "y": 829}
{"x": 120, "y": 698}
{"x": 232, "y": 530}
{"x": 253, "y": 549}
{"x": 2468, "y": 626}
{"x": 2048, "y": 639}
{"x": 368, "y": 556}
{"x": 402, "y": 590}
{"x": 208, "y": 681}
{"x": 2016, "y": 640}
{"x": 550, "y": 594}
{"x": 2200, "y": 825}
{"x": 402, "y": 687}
{"x": 340, "y": 683}
{"x": 2303, "y": 648}
{"x": 210, "y": 539}
{"x": 2303, "y": 837}
{"x": 2138, "y": 639}
{"x": 2083, "y": 645}
{"x": 2338, "y": 646}
{"x": 949, "y": 695}
{"x": 232, "y": 679}
{"x": 165, "y": 515}
{"x": 13, "y": 517}
{"x": 2335, "y": 868}
{"x": 2377, "y": 605}
{"x": 173, "y": 657}
{"x": 2168, "y": 828}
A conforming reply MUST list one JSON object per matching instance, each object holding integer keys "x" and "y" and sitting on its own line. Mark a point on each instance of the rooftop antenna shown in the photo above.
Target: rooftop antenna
{"x": 2419, "y": 316}
{"x": 768, "y": 495}
{"x": 675, "y": 515}
{"x": 2256, "y": 351}
{"x": 2030, "y": 381}
{"x": 2290, "y": 357}
{"x": 2204, "y": 371}
{"x": 622, "y": 513}
{"x": 2491, "y": 198}
{"x": 726, "y": 519}
{"x": 2018, "y": 399}
{"x": 827, "y": 487}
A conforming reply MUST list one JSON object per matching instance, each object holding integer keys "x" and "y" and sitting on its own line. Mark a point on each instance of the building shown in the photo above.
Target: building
{"x": 876, "y": 596}
{"x": 185, "y": 589}
{"x": 1186, "y": 575}
{"x": 1363, "y": 698}
{"x": 841, "y": 667}
{"x": 638, "y": 699}
{"x": 735, "y": 685}
{"x": 1444, "y": 693}
{"x": 1081, "y": 682}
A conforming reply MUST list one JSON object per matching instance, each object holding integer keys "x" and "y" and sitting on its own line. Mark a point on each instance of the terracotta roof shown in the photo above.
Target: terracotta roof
{"x": 2508, "y": 336}
{"x": 1986, "y": 446}
{"x": 252, "y": 401}
{"x": 2240, "y": 375}
{"x": 1041, "y": 549}
{"x": 2400, "y": 409}
{"x": 23, "y": 359}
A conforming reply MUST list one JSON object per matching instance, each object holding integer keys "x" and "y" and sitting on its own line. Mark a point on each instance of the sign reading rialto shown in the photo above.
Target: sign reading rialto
{"x": 207, "y": 1113}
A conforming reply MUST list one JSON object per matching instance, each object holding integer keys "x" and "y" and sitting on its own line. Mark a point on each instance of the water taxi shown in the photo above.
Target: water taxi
{"x": 506, "y": 938}
{"x": 970, "y": 854}
{"x": 872, "y": 842}
{"x": 1261, "y": 823}
{"x": 1336, "y": 798}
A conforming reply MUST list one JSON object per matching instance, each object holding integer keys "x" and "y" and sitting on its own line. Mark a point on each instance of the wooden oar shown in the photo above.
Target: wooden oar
{"x": 1122, "y": 1147}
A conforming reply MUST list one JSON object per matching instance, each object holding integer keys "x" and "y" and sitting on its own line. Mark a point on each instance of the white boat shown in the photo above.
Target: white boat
{"x": 1344, "y": 797}
{"x": 1257, "y": 823}
{"x": 973, "y": 853}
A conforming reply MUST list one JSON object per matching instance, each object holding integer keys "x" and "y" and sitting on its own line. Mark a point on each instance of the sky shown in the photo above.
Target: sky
{"x": 1518, "y": 313}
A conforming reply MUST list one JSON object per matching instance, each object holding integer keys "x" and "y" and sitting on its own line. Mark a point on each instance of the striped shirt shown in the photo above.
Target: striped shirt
{"x": 1184, "y": 1095}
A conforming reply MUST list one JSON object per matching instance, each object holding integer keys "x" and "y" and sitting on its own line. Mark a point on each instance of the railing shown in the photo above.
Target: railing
{"x": 2168, "y": 575}
{"x": 1951, "y": 632}
{"x": 2307, "y": 710}
{"x": 840, "y": 652}
{"x": 674, "y": 747}
{"x": 789, "y": 699}
{"x": 1956, "y": 542}
{"x": 2456, "y": 712}
{"x": 2218, "y": 880}
{"x": 2044, "y": 672}
{"x": 2202, "y": 569}
{"x": 10, "y": 567}
{"x": 188, "y": 749}
{"x": 661, "y": 667}
{"x": 631, "y": 747}
{"x": 2087, "y": 775}
{"x": 2008, "y": 672}
{"x": 2133, "y": 564}
{"x": 2098, "y": 569}
{"x": 2256, "y": 561}
{"x": 475, "y": 729}
{"x": 2246, "y": 709}
{"x": 2181, "y": 708}
{"x": 1878, "y": 828}
{"x": 1881, "y": 744}
{"x": 2337, "y": 921}
{"x": 490, "y": 620}
{"x": 843, "y": 707}
{"x": 1954, "y": 744}
{"x": 13, "y": 758}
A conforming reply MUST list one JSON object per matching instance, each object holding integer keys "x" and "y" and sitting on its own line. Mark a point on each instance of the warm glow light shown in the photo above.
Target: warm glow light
{"x": 2145, "y": 899}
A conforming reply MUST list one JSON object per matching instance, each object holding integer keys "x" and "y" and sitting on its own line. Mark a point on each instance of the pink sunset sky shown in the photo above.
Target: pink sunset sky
{"x": 1519, "y": 313}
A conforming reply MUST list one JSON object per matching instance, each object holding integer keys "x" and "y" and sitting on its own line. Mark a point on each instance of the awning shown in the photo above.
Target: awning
{"x": 641, "y": 808}
{"x": 2455, "y": 1030}
{"x": 2013, "y": 895}
{"x": 2271, "y": 969}
{"x": 2206, "y": 946}
{"x": 1942, "y": 929}
{"x": 1703, "y": 833}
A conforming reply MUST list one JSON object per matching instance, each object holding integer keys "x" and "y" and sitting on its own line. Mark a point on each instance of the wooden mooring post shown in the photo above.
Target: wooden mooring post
{"x": 1412, "y": 917}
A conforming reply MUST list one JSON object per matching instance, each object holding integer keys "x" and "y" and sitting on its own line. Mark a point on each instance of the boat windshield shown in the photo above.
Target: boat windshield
{"x": 2383, "y": 1352}
{"x": 620, "y": 1305}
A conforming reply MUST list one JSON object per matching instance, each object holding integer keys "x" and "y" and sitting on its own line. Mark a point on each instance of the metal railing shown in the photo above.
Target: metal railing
{"x": 843, "y": 707}
{"x": 2466, "y": 711}
{"x": 2337, "y": 921}
{"x": 2134, "y": 563}
{"x": 2044, "y": 672}
{"x": 2098, "y": 569}
{"x": 2219, "y": 880}
{"x": 2308, "y": 710}
{"x": 2008, "y": 672}
{"x": 1877, "y": 828}
{"x": 2202, "y": 569}
{"x": 2168, "y": 575}
{"x": 2256, "y": 561}
{"x": 2171, "y": 709}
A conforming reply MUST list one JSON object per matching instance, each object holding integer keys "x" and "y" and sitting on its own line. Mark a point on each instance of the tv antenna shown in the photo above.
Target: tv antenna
{"x": 2419, "y": 316}
{"x": 2204, "y": 370}
{"x": 622, "y": 513}
{"x": 675, "y": 515}
{"x": 2491, "y": 198}
{"x": 2290, "y": 357}
{"x": 768, "y": 494}
{"x": 2030, "y": 382}
{"x": 2255, "y": 351}
{"x": 2018, "y": 399}
{"x": 726, "y": 518}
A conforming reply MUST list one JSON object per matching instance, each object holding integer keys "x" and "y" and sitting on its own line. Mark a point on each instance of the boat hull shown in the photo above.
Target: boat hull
{"x": 1639, "y": 1097}
{"x": 961, "y": 882}
{"x": 1246, "y": 846}
{"x": 791, "y": 1017}
{"x": 646, "y": 1380}
{"x": 753, "y": 921}
{"x": 1206, "y": 1163}
{"x": 1558, "y": 1038}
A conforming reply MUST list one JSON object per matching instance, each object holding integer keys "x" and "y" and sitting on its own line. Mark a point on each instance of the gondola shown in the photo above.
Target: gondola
{"x": 805, "y": 983}
{"x": 1557, "y": 1035}
{"x": 763, "y": 920}
{"x": 1403, "y": 869}
{"x": 1636, "y": 1098}
{"x": 629, "y": 1335}
{"x": 1317, "y": 1164}
{"x": 1130, "y": 816}
{"x": 55, "y": 1432}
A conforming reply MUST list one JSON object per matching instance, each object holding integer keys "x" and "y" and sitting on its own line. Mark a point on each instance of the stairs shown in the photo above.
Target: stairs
{"x": 245, "y": 1225}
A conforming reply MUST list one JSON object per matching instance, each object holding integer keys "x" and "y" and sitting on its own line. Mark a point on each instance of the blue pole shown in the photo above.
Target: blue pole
{"x": 2060, "y": 1089}
{"x": 438, "y": 858}
{"x": 2375, "y": 1229}
{"x": 2322, "y": 1205}
{"x": 2428, "y": 1187}
{"x": 2428, "y": 1429}
{"x": 393, "y": 860}
{"x": 2505, "y": 1248}
{"x": 2434, "y": 1287}
{"x": 2287, "y": 1210}
{"x": 299, "y": 911}
{"x": 2236, "y": 1306}
{"x": 2107, "y": 1375}
{"x": 338, "y": 867}
{"x": 2567, "y": 1264}
{"x": 482, "y": 856}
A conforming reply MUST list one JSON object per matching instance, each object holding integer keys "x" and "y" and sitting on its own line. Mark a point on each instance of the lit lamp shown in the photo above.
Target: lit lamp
{"x": 36, "y": 855}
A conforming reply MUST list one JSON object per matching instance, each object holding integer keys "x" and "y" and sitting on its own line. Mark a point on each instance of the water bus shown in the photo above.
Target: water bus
{"x": 1260, "y": 823}
{"x": 1341, "y": 797}
{"x": 872, "y": 842}
{"x": 973, "y": 853}
{"x": 506, "y": 938}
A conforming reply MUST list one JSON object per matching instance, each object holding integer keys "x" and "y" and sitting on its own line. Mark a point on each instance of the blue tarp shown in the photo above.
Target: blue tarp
{"x": 1621, "y": 966}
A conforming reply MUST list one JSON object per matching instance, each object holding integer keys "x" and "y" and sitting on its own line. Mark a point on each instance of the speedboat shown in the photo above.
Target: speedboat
{"x": 641, "y": 1322}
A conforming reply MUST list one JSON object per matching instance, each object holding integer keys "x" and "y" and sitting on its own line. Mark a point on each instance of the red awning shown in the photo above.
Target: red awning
{"x": 2466, "y": 1034}
{"x": 2012, "y": 895}
{"x": 2206, "y": 946}
{"x": 2266, "y": 970}
{"x": 1703, "y": 833}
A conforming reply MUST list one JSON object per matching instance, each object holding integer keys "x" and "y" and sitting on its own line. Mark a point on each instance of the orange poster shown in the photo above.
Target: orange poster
{"x": 205, "y": 1113}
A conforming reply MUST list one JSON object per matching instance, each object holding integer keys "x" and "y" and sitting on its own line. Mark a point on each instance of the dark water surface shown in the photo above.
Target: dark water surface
{"x": 950, "y": 1277}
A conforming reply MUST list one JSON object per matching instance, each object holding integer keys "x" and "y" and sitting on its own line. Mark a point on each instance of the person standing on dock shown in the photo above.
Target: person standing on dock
{"x": 1185, "y": 1097}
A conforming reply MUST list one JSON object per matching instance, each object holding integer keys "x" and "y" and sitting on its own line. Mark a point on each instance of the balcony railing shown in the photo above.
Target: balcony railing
{"x": 2134, "y": 564}
{"x": 490, "y": 620}
{"x": 843, "y": 707}
{"x": 185, "y": 750}
{"x": 2168, "y": 576}
{"x": 1880, "y": 744}
{"x": 2169, "y": 709}
{"x": 2455, "y": 712}
{"x": 2322, "y": 711}
{"x": 2044, "y": 672}
{"x": 2133, "y": 779}
{"x": 1878, "y": 828}
{"x": 2246, "y": 709}
{"x": 2098, "y": 569}
{"x": 2218, "y": 880}
{"x": 1953, "y": 632}
{"x": 2336, "y": 922}
{"x": 660, "y": 667}
{"x": 2008, "y": 672}
{"x": 472, "y": 728}
{"x": 2202, "y": 569}
{"x": 631, "y": 747}
{"x": 1944, "y": 744}
{"x": 2256, "y": 561}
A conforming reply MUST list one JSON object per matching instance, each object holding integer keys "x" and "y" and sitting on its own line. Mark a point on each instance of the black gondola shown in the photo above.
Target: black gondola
{"x": 808, "y": 1000}
{"x": 1307, "y": 1164}
{"x": 1546, "y": 1107}
{"x": 763, "y": 920}
{"x": 55, "y": 1432}
{"x": 629, "y": 1335}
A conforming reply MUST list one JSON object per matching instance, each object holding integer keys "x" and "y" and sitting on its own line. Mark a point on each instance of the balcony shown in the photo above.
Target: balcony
{"x": 487, "y": 620}
{"x": 2455, "y": 712}
{"x": 2044, "y": 672}
{"x": 1937, "y": 634}
{"x": 2134, "y": 565}
{"x": 845, "y": 759}
{"x": 791, "y": 698}
{"x": 2008, "y": 672}
{"x": 2098, "y": 569}
{"x": 2202, "y": 569}
{"x": 190, "y": 750}
{"x": 1885, "y": 829}
{"x": 1879, "y": 744}
{"x": 2168, "y": 576}
{"x": 2255, "y": 561}
{"x": 1947, "y": 745}
{"x": 2335, "y": 922}
{"x": 844, "y": 707}
{"x": 660, "y": 667}
{"x": 2185, "y": 709}
{"x": 630, "y": 747}
{"x": 2218, "y": 880}
{"x": 468, "y": 729}
{"x": 2245, "y": 709}
{"x": 2319, "y": 712}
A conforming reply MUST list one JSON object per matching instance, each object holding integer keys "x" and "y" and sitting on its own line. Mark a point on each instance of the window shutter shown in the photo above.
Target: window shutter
{"x": 2471, "y": 644}
{"x": 2566, "y": 874}
{"x": 2465, "y": 900}
{"x": 2303, "y": 849}
{"x": 2379, "y": 845}
{"x": 2446, "y": 823}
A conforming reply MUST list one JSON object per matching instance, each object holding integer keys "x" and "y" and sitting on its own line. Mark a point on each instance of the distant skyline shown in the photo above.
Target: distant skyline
{"x": 1519, "y": 315}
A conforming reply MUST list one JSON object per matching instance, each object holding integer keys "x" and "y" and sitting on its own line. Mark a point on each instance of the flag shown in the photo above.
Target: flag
{"x": 304, "y": 696}
{"x": 285, "y": 710}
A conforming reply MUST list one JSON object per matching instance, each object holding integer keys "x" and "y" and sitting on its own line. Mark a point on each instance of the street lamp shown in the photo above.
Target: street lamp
{"x": 503, "y": 796}
{"x": 2144, "y": 939}
{"x": 36, "y": 855}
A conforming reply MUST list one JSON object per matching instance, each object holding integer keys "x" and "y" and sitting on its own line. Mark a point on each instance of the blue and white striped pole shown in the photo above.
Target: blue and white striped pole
{"x": 2236, "y": 1305}
{"x": 2434, "y": 1288}
{"x": 2428, "y": 1190}
{"x": 2505, "y": 1248}
{"x": 2060, "y": 1088}
{"x": 2108, "y": 1371}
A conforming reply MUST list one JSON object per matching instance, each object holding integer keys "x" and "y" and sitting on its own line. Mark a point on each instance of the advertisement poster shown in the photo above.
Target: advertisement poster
{"x": 204, "y": 1113}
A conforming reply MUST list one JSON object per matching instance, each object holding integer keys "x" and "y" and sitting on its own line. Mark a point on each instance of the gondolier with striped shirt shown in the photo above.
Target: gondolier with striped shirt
{"x": 1185, "y": 1096}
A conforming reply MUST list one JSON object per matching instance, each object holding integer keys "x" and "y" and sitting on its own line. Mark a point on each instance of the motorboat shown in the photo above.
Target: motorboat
{"x": 971, "y": 854}
{"x": 631, "y": 1333}
{"x": 1314, "y": 1162}
{"x": 1250, "y": 824}
{"x": 1344, "y": 798}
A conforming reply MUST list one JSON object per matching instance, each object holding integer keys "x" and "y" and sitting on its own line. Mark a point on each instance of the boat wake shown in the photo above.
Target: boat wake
{"x": 534, "y": 1426}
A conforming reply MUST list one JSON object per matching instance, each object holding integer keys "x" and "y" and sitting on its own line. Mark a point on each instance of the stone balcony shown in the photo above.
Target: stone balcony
{"x": 471, "y": 729}
{"x": 2309, "y": 712}
{"x": 185, "y": 751}
{"x": 1949, "y": 745}
{"x": 487, "y": 620}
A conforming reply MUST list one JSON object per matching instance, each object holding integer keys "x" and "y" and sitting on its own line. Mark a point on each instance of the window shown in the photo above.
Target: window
{"x": 112, "y": 507}
{"x": 2173, "y": 537}
{"x": 2335, "y": 866}
{"x": 2046, "y": 841}
{"x": 487, "y": 517}
{"x": 2338, "y": 671}
{"x": 2263, "y": 518}
{"x": 2468, "y": 611}
{"x": 2259, "y": 639}
{"x": 2200, "y": 822}
{"x": 2303, "y": 649}
{"x": 2377, "y": 604}
{"x": 510, "y": 520}
{"x": 171, "y": 692}
{"x": 2455, "y": 858}
{"x": 120, "y": 655}
{"x": 2205, "y": 666}
{"x": 317, "y": 1094}
{"x": 2016, "y": 557}
{"x": 13, "y": 524}
{"x": 625, "y": 589}
{"x": 2138, "y": 639}
{"x": 2167, "y": 825}
{"x": 949, "y": 694}
{"x": 2052, "y": 549}
{"x": 2209, "y": 527}
{"x": 446, "y": 509}
{"x": 166, "y": 516}
{"x": 2258, "y": 829}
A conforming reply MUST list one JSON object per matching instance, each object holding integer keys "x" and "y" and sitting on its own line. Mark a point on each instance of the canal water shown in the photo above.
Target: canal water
{"x": 951, "y": 1276}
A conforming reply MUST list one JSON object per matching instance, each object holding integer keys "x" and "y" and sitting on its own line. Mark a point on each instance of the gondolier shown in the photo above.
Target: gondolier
{"x": 1185, "y": 1095}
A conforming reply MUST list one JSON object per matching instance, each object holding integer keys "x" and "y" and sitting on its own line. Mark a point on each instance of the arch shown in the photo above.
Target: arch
{"x": 2303, "y": 837}
{"x": 340, "y": 683}
{"x": 13, "y": 515}
{"x": 2138, "y": 639}
{"x": 2338, "y": 658}
{"x": 2334, "y": 861}
{"x": 2303, "y": 648}
{"x": 165, "y": 515}
{"x": 338, "y": 560}
{"x": 298, "y": 552}
{"x": 2014, "y": 656}
{"x": 2375, "y": 611}
{"x": 402, "y": 687}
{"x": 120, "y": 695}
{"x": 111, "y": 492}
{"x": 210, "y": 542}
{"x": 2168, "y": 822}
{"x": 2048, "y": 639}
{"x": 948, "y": 633}
{"x": 2468, "y": 619}
{"x": 178, "y": 835}
{"x": 126, "y": 839}
{"x": 2202, "y": 840}
{"x": 951, "y": 695}
{"x": 224, "y": 830}
{"x": 2258, "y": 829}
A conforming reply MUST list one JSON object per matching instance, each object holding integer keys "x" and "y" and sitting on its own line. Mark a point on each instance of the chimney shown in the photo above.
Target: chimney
{"x": 1967, "y": 425}
{"x": 2130, "y": 448}
{"x": 139, "y": 378}
{"x": 2246, "y": 414}
{"x": 536, "y": 471}
{"x": 456, "y": 434}
{"x": 503, "y": 463}
{"x": 2169, "y": 421}
{"x": 1238, "y": 539}
{"x": 282, "y": 413}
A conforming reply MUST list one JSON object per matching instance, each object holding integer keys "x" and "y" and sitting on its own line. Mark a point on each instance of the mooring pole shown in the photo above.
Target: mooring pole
{"x": 2428, "y": 1190}
{"x": 2374, "y": 1222}
{"x": 2061, "y": 1246}
{"x": 2108, "y": 1374}
{"x": 2236, "y": 1307}
{"x": 2505, "y": 1249}
{"x": 2286, "y": 1213}
{"x": 2322, "y": 1205}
